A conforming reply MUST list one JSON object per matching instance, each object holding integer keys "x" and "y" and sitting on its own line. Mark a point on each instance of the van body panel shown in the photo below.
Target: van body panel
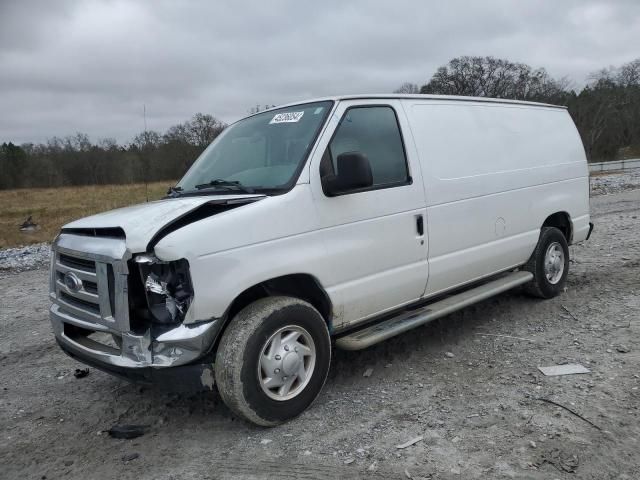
{"x": 493, "y": 173}
{"x": 580, "y": 228}
{"x": 254, "y": 244}
{"x": 373, "y": 248}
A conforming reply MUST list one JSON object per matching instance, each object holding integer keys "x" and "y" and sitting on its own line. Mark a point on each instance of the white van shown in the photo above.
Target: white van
{"x": 355, "y": 218}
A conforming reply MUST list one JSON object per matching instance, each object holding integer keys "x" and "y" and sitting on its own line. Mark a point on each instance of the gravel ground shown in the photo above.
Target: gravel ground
{"x": 608, "y": 183}
{"x": 468, "y": 385}
{"x": 25, "y": 258}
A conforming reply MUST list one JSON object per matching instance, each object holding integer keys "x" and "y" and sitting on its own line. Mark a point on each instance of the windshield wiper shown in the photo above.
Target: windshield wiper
{"x": 174, "y": 192}
{"x": 226, "y": 184}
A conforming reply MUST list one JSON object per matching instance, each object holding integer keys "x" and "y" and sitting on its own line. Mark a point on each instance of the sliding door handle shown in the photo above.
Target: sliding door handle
{"x": 420, "y": 225}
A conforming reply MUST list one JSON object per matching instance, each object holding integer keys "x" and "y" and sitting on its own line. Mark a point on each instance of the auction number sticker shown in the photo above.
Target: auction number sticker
{"x": 288, "y": 117}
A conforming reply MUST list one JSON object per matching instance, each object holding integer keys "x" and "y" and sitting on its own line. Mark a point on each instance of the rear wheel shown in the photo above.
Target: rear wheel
{"x": 549, "y": 264}
{"x": 273, "y": 360}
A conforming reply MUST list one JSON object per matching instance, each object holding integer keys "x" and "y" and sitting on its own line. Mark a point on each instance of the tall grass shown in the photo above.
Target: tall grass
{"x": 53, "y": 207}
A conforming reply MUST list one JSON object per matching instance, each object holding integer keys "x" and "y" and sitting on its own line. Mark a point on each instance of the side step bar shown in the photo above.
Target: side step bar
{"x": 414, "y": 318}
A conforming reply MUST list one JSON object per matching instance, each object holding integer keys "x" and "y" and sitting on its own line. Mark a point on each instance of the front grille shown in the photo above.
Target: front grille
{"x": 85, "y": 287}
{"x": 88, "y": 288}
{"x": 91, "y": 287}
{"x": 77, "y": 263}
{"x": 80, "y": 303}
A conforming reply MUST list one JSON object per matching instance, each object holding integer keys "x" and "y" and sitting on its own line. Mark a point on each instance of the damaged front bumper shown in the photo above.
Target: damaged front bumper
{"x": 170, "y": 360}
{"x": 90, "y": 316}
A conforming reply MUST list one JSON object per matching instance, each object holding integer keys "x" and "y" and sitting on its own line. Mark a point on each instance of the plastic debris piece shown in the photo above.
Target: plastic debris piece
{"x": 568, "y": 369}
{"x": 127, "y": 431}
{"x": 81, "y": 372}
{"x": 410, "y": 442}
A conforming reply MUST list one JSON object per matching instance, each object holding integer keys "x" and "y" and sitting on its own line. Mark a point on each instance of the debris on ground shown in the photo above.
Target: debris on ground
{"x": 546, "y": 400}
{"x": 567, "y": 369}
{"x": 569, "y": 312}
{"x": 410, "y": 442}
{"x": 561, "y": 461}
{"x": 81, "y": 372}
{"x": 449, "y": 354}
{"x": 367, "y": 373}
{"x": 623, "y": 349}
{"x": 29, "y": 225}
{"x": 127, "y": 431}
{"x": 265, "y": 441}
{"x": 130, "y": 456}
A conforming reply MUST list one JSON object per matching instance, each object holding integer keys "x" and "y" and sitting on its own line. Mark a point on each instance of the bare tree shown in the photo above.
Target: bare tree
{"x": 407, "y": 88}
{"x": 629, "y": 74}
{"x": 493, "y": 77}
{"x": 202, "y": 129}
{"x": 147, "y": 140}
{"x": 260, "y": 108}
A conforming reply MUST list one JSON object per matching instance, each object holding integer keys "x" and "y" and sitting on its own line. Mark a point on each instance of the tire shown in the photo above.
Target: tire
{"x": 542, "y": 286}
{"x": 241, "y": 367}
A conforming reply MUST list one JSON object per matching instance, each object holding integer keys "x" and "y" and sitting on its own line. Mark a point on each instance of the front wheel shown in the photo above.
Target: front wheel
{"x": 273, "y": 360}
{"x": 549, "y": 264}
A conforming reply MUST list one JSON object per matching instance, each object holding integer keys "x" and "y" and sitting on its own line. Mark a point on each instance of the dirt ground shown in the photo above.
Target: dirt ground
{"x": 468, "y": 385}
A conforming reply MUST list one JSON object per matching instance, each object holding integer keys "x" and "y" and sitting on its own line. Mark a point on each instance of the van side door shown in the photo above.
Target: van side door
{"x": 375, "y": 237}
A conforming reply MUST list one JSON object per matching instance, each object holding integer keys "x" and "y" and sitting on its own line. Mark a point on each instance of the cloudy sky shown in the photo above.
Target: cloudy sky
{"x": 90, "y": 66}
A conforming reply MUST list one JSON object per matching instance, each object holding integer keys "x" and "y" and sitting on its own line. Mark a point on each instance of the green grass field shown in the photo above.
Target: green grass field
{"x": 53, "y": 207}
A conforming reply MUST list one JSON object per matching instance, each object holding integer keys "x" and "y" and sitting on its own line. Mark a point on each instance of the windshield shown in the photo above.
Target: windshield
{"x": 262, "y": 152}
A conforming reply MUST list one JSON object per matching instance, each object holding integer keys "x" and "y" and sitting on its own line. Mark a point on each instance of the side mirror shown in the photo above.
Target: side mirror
{"x": 353, "y": 173}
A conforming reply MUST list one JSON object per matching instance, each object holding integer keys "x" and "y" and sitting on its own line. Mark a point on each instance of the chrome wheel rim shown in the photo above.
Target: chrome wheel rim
{"x": 554, "y": 263}
{"x": 286, "y": 363}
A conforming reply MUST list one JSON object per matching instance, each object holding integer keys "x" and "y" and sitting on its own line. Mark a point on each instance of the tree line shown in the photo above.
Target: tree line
{"x": 606, "y": 112}
{"x": 75, "y": 160}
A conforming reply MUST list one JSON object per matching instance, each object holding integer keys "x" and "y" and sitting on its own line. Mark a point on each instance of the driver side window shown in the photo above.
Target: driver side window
{"x": 374, "y": 132}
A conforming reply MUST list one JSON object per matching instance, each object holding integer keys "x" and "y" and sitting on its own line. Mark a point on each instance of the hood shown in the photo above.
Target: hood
{"x": 147, "y": 223}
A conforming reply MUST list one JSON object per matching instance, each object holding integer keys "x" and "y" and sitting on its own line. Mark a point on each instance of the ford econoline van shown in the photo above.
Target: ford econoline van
{"x": 338, "y": 222}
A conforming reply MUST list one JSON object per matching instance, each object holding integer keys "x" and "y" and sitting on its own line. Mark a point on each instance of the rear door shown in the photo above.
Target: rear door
{"x": 376, "y": 239}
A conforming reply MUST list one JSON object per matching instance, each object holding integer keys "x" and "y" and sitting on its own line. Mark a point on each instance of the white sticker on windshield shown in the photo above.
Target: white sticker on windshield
{"x": 288, "y": 117}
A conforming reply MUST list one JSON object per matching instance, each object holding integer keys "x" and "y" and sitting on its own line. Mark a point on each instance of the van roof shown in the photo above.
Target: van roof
{"x": 457, "y": 98}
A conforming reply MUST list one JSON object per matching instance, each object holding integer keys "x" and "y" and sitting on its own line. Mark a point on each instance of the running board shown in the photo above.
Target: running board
{"x": 414, "y": 318}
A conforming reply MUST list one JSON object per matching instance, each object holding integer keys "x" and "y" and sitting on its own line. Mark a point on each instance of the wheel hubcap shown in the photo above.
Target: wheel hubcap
{"x": 554, "y": 263}
{"x": 286, "y": 362}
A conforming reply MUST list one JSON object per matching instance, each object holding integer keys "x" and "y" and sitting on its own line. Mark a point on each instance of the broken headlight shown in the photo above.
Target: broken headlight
{"x": 167, "y": 287}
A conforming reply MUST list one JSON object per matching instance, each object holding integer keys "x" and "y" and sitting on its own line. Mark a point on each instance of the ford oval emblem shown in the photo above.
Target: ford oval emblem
{"x": 72, "y": 282}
